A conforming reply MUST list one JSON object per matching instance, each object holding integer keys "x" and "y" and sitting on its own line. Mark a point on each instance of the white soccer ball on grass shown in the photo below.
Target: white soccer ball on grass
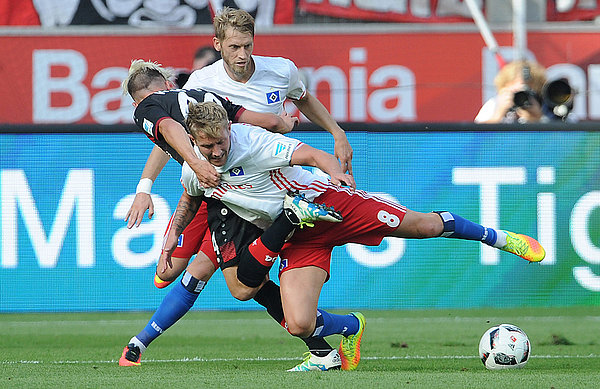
{"x": 504, "y": 346}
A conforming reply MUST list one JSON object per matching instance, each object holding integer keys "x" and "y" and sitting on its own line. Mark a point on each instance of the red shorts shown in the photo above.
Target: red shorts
{"x": 367, "y": 220}
{"x": 195, "y": 237}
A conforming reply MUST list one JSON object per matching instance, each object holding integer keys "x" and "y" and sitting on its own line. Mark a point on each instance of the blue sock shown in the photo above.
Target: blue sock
{"x": 174, "y": 306}
{"x": 329, "y": 324}
{"x": 461, "y": 228}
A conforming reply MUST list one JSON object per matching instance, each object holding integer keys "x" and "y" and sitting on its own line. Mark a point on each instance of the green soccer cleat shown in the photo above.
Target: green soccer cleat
{"x": 312, "y": 362}
{"x": 350, "y": 345}
{"x": 303, "y": 212}
{"x": 524, "y": 246}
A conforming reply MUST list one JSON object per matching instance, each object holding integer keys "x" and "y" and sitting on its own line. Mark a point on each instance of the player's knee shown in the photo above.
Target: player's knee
{"x": 430, "y": 226}
{"x": 171, "y": 273}
{"x": 243, "y": 293}
{"x": 301, "y": 328}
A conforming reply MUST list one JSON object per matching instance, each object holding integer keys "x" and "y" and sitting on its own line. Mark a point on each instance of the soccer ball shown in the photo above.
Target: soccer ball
{"x": 504, "y": 346}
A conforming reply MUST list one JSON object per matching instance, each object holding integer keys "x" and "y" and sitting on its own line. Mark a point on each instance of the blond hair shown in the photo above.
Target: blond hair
{"x": 206, "y": 118}
{"x": 142, "y": 74}
{"x": 238, "y": 19}
{"x": 514, "y": 70}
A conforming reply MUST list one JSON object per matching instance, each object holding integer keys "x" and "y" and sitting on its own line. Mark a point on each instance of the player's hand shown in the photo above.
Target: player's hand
{"x": 289, "y": 121}
{"x": 164, "y": 261}
{"x": 343, "y": 152}
{"x": 206, "y": 173}
{"x": 340, "y": 179}
{"x": 141, "y": 203}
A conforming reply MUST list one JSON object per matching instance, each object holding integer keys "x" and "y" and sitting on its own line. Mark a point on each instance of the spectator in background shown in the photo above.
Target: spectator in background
{"x": 519, "y": 99}
{"x": 204, "y": 56}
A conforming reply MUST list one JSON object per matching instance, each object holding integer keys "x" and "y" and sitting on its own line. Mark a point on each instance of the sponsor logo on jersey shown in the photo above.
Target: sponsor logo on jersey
{"x": 273, "y": 97}
{"x": 236, "y": 172}
{"x": 180, "y": 241}
{"x": 282, "y": 150}
{"x": 269, "y": 258}
{"x": 148, "y": 126}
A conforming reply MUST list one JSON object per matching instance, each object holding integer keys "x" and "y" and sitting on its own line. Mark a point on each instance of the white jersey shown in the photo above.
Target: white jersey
{"x": 274, "y": 79}
{"x": 257, "y": 175}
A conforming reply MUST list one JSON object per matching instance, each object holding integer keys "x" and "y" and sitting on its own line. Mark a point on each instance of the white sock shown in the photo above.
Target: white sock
{"x": 138, "y": 343}
{"x": 500, "y": 239}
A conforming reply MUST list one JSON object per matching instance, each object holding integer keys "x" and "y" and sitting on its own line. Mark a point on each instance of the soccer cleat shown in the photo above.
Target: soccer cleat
{"x": 350, "y": 345}
{"x": 131, "y": 356}
{"x": 312, "y": 362}
{"x": 303, "y": 212}
{"x": 160, "y": 283}
{"x": 524, "y": 246}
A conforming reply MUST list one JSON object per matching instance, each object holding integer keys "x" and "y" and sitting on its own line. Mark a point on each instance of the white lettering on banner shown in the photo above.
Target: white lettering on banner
{"x": 584, "y": 247}
{"x": 390, "y": 255}
{"x": 16, "y": 193}
{"x": 154, "y": 227}
{"x": 359, "y": 83}
{"x": 546, "y": 220}
{"x": 99, "y": 104}
{"x": 44, "y": 85}
{"x": 489, "y": 179}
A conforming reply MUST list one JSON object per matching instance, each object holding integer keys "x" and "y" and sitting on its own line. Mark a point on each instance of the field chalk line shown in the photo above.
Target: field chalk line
{"x": 260, "y": 359}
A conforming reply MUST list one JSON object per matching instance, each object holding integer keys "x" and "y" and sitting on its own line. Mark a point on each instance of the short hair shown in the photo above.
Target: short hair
{"x": 142, "y": 74}
{"x": 514, "y": 70}
{"x": 206, "y": 118}
{"x": 238, "y": 19}
{"x": 206, "y": 50}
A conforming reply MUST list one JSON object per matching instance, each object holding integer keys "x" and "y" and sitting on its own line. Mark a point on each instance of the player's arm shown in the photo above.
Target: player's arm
{"x": 316, "y": 112}
{"x": 176, "y": 136}
{"x": 306, "y": 155}
{"x": 143, "y": 201}
{"x": 282, "y": 124}
{"x": 184, "y": 213}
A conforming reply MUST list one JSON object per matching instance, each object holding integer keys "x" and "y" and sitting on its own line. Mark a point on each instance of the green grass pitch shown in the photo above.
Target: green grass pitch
{"x": 409, "y": 349}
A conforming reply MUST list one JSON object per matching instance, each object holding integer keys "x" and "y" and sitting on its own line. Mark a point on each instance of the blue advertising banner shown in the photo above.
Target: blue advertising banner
{"x": 65, "y": 246}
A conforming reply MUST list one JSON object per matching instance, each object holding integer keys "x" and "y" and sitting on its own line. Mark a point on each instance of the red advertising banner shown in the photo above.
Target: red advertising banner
{"x": 572, "y": 10}
{"x": 360, "y": 76}
{"x": 432, "y": 11}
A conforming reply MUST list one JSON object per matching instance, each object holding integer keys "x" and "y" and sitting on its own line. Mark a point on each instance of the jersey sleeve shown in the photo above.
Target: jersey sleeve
{"x": 273, "y": 150}
{"x": 148, "y": 115}
{"x": 296, "y": 89}
{"x": 233, "y": 110}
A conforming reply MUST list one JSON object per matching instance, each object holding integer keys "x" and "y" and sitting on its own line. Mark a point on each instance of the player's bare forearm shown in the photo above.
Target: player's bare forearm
{"x": 269, "y": 121}
{"x": 179, "y": 139}
{"x": 306, "y": 155}
{"x": 316, "y": 112}
{"x": 184, "y": 213}
{"x": 155, "y": 163}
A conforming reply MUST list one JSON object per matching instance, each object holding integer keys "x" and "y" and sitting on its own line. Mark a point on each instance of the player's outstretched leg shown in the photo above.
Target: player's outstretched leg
{"x": 301, "y": 211}
{"x": 522, "y": 245}
{"x": 174, "y": 306}
{"x": 350, "y": 345}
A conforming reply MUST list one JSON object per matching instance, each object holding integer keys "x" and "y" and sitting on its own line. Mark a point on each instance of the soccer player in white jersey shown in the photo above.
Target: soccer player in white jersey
{"x": 258, "y": 169}
{"x": 258, "y": 83}
{"x": 160, "y": 115}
